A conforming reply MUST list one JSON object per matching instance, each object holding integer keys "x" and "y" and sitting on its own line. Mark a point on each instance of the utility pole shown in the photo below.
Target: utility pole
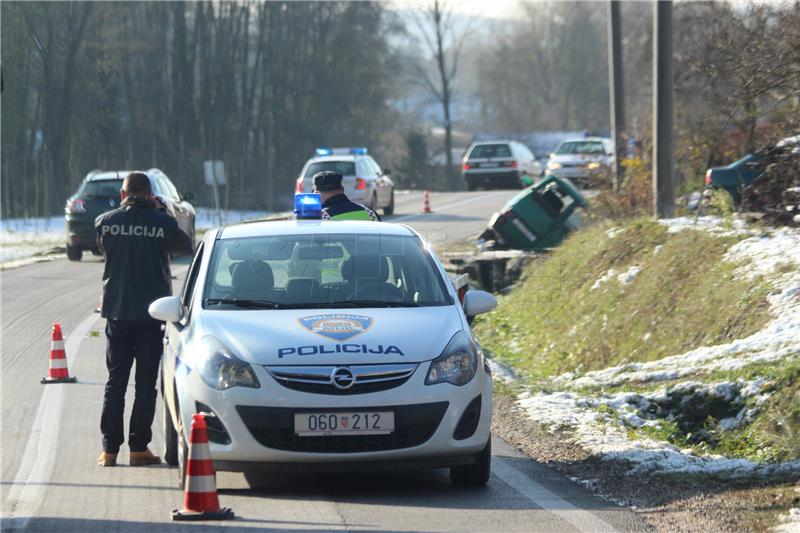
{"x": 616, "y": 90}
{"x": 663, "y": 112}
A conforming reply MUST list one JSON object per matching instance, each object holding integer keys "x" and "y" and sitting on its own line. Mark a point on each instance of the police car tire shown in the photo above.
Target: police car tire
{"x": 476, "y": 474}
{"x": 74, "y": 253}
{"x": 389, "y": 209}
{"x": 170, "y": 439}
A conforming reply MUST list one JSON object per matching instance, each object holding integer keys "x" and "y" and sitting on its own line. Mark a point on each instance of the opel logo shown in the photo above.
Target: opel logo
{"x": 111, "y": 202}
{"x": 342, "y": 377}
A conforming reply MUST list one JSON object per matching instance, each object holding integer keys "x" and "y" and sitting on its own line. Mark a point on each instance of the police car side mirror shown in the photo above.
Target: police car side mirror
{"x": 167, "y": 309}
{"x": 478, "y": 302}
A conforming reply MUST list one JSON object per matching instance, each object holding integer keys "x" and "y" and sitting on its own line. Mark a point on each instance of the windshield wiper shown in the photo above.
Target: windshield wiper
{"x": 245, "y": 303}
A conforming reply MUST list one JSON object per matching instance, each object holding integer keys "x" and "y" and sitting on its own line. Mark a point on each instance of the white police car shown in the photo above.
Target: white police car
{"x": 326, "y": 345}
{"x": 363, "y": 180}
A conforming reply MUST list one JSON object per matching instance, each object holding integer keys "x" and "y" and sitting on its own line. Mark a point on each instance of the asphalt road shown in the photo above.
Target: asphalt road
{"x": 50, "y": 436}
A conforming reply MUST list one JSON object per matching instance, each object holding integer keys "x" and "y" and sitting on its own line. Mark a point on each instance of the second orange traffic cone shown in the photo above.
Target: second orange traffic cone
{"x": 58, "y": 373}
{"x": 200, "y": 501}
{"x": 426, "y": 202}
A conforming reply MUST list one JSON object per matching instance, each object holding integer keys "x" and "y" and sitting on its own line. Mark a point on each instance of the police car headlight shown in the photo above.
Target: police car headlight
{"x": 220, "y": 369}
{"x": 457, "y": 364}
{"x": 552, "y": 165}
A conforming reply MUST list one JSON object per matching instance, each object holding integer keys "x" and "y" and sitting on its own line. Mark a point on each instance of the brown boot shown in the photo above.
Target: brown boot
{"x": 144, "y": 458}
{"x": 107, "y": 459}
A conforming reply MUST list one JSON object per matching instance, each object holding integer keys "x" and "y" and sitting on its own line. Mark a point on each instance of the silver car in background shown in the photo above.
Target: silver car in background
{"x": 587, "y": 162}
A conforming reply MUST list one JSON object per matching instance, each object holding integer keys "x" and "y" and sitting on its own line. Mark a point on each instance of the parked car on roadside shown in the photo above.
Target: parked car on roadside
{"x": 99, "y": 192}
{"x": 743, "y": 172}
{"x": 363, "y": 179}
{"x": 587, "y": 162}
{"x": 503, "y": 164}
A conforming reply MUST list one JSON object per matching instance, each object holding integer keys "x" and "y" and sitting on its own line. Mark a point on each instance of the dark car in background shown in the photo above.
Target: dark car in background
{"x": 99, "y": 192}
{"x": 743, "y": 172}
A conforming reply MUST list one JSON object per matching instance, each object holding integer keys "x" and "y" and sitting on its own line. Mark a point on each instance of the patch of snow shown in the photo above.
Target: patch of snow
{"x": 206, "y": 217}
{"x": 629, "y": 275}
{"x": 498, "y": 369}
{"x": 711, "y": 224}
{"x": 607, "y": 436}
{"x": 789, "y": 522}
{"x": 25, "y": 237}
{"x": 761, "y": 255}
{"x": 657, "y": 249}
{"x": 21, "y": 238}
{"x": 613, "y": 232}
{"x": 604, "y": 278}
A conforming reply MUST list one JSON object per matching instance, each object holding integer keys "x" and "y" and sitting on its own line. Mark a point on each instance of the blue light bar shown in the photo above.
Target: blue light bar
{"x": 319, "y": 152}
{"x": 307, "y": 206}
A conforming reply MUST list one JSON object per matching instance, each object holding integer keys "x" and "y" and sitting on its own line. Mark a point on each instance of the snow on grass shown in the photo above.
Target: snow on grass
{"x": 24, "y": 237}
{"x": 622, "y": 277}
{"x": 607, "y": 436}
{"x": 21, "y": 238}
{"x": 712, "y": 224}
{"x": 776, "y": 256}
{"x": 601, "y": 423}
{"x": 206, "y": 217}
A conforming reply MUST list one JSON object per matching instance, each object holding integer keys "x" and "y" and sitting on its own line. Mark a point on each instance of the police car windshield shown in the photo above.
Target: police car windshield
{"x": 345, "y": 168}
{"x": 323, "y": 271}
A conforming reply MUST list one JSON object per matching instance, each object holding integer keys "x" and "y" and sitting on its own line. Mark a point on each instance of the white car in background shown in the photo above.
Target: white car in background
{"x": 324, "y": 344}
{"x": 504, "y": 164}
{"x": 363, "y": 180}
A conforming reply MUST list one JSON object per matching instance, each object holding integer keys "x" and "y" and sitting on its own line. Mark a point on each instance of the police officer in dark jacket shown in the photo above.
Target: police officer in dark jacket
{"x": 137, "y": 239}
{"x": 335, "y": 204}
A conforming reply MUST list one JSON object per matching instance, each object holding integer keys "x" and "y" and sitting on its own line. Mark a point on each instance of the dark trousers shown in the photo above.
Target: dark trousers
{"x": 130, "y": 340}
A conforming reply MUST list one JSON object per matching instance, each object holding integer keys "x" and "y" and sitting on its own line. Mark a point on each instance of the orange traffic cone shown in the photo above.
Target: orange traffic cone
{"x": 58, "y": 359}
{"x": 426, "y": 202}
{"x": 200, "y": 500}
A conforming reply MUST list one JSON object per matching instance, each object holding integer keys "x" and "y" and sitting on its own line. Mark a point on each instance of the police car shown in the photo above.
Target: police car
{"x": 326, "y": 345}
{"x": 363, "y": 180}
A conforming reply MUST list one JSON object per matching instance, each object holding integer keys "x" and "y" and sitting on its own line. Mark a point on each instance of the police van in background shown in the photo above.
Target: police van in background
{"x": 363, "y": 180}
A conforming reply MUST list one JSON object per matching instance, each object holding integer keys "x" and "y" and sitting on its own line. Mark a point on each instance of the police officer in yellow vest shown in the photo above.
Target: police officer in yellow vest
{"x": 335, "y": 204}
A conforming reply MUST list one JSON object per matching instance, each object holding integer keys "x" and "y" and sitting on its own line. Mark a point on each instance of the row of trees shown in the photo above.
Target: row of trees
{"x": 170, "y": 84}
{"x": 736, "y": 75}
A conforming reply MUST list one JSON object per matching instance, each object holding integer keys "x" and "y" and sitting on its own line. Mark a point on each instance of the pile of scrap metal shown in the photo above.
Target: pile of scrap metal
{"x": 775, "y": 193}
{"x": 538, "y": 218}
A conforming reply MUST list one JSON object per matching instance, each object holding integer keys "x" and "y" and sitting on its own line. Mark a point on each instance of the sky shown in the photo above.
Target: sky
{"x": 496, "y": 9}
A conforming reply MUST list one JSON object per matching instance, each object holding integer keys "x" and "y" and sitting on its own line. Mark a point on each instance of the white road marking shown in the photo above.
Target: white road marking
{"x": 26, "y": 494}
{"x": 451, "y": 205}
{"x": 583, "y": 521}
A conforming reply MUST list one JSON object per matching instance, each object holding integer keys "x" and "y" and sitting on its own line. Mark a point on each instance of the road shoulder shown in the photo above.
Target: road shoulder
{"x": 665, "y": 503}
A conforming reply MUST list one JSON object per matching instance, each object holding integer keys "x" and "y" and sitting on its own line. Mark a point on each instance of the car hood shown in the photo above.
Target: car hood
{"x": 333, "y": 336}
{"x": 577, "y": 158}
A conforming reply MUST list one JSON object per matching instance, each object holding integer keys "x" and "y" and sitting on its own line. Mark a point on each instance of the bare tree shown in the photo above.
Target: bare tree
{"x": 444, "y": 41}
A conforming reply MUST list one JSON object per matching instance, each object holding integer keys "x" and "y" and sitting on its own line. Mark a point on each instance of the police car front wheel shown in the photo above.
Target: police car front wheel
{"x": 478, "y": 473}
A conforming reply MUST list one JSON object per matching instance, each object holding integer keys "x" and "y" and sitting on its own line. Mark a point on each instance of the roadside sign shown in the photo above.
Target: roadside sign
{"x": 214, "y": 172}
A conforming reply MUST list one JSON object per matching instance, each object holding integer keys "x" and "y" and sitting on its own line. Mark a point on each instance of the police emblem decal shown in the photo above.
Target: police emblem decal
{"x": 339, "y": 327}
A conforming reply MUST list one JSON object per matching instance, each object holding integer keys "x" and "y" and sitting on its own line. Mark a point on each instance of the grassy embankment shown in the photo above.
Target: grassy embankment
{"x": 685, "y": 296}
